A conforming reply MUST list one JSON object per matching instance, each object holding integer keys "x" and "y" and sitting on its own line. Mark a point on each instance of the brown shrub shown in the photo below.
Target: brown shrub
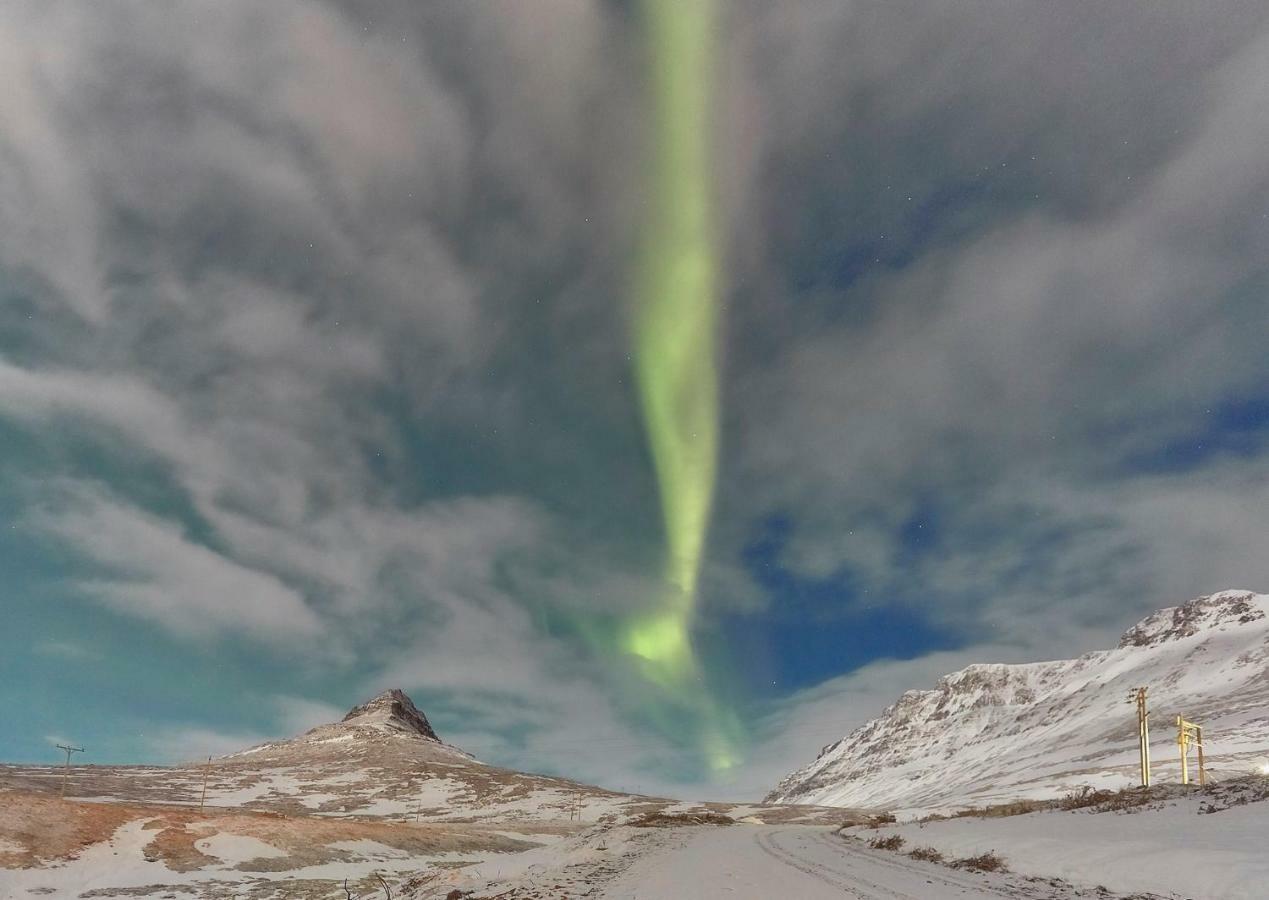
{"x": 926, "y": 854}
{"x": 1104, "y": 801}
{"x": 1083, "y": 797}
{"x": 984, "y": 862}
{"x": 1000, "y": 810}
{"x": 670, "y": 820}
{"x": 892, "y": 842}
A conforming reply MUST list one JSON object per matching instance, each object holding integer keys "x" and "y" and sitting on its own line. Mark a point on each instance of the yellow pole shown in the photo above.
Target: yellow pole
{"x": 1184, "y": 748}
{"x": 1145, "y": 738}
{"x": 1198, "y": 734}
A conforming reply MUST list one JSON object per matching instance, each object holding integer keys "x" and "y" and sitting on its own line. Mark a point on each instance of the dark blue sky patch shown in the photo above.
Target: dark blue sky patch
{"x": 919, "y": 533}
{"x": 946, "y": 213}
{"x": 763, "y": 559}
{"x": 1236, "y": 427}
{"x": 815, "y": 628}
{"x": 779, "y": 653}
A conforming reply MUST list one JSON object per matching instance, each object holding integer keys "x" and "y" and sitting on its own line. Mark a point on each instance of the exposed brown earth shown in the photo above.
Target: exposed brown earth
{"x": 48, "y": 829}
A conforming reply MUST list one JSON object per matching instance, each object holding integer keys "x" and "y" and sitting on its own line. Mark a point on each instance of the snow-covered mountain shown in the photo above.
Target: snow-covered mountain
{"x": 990, "y": 733}
{"x": 382, "y": 761}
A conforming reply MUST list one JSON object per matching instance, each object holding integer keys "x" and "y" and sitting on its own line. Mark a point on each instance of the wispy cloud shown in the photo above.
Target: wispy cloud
{"x": 157, "y": 574}
{"x": 72, "y": 650}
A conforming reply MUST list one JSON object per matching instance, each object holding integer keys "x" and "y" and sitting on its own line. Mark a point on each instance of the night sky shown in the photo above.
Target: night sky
{"x": 654, "y": 391}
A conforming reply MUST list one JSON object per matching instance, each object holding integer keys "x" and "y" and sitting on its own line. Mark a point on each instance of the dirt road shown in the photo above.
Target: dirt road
{"x": 741, "y": 862}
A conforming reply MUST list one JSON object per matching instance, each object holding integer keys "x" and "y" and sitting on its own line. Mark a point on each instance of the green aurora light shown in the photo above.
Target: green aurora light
{"x": 676, "y": 359}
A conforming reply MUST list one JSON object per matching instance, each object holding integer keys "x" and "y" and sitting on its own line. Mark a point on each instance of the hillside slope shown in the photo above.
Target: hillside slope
{"x": 382, "y": 761}
{"x": 991, "y": 733}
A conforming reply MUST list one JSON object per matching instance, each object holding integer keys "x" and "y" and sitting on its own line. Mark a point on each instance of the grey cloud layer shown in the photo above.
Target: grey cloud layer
{"x": 250, "y": 241}
{"x": 1090, "y": 288}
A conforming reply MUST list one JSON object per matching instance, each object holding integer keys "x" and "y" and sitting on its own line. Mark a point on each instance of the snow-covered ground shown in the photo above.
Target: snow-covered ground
{"x": 1175, "y": 848}
{"x": 752, "y": 862}
{"x": 738, "y": 862}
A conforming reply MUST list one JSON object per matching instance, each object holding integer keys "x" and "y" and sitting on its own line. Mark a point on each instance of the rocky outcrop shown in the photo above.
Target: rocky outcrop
{"x": 392, "y": 710}
{"x": 1188, "y": 619}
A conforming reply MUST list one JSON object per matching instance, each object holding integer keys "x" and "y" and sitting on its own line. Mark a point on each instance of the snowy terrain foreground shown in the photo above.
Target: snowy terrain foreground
{"x": 1196, "y": 844}
{"x": 992, "y": 733}
{"x": 744, "y": 862}
{"x": 1170, "y": 842}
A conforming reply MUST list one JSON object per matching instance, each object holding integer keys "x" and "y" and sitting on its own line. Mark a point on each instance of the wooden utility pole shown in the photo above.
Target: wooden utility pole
{"x": 202, "y": 801}
{"x": 66, "y": 772}
{"x": 1198, "y": 732}
{"x": 1188, "y": 733}
{"x": 1138, "y": 695}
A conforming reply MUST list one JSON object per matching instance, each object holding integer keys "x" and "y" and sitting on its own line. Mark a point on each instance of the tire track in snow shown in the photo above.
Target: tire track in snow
{"x": 962, "y": 883}
{"x": 851, "y": 883}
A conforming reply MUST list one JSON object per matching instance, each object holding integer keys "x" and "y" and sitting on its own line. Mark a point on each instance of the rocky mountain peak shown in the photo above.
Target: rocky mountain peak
{"x": 391, "y": 711}
{"x": 1188, "y": 619}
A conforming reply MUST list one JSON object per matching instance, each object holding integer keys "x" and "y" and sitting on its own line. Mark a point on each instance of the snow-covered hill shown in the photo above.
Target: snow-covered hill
{"x": 990, "y": 733}
{"x": 375, "y": 794}
{"x": 382, "y": 761}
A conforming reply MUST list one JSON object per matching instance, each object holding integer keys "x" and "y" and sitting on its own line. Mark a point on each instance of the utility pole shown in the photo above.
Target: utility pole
{"x": 1188, "y": 733}
{"x": 66, "y": 772}
{"x": 206, "y": 770}
{"x": 1198, "y": 731}
{"x": 1138, "y": 695}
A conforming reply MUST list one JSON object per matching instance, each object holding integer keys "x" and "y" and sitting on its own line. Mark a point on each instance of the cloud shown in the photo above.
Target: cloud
{"x": 193, "y": 743}
{"x": 298, "y": 714}
{"x": 70, "y": 650}
{"x": 1004, "y": 357}
{"x": 156, "y": 573}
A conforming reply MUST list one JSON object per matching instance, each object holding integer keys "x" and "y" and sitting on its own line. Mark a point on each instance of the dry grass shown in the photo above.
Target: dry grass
{"x": 1084, "y": 797}
{"x": 1107, "y": 801}
{"x": 48, "y": 829}
{"x": 671, "y": 820}
{"x": 984, "y": 862}
{"x": 999, "y": 810}
{"x": 1234, "y": 792}
{"x": 926, "y": 854}
{"x": 892, "y": 842}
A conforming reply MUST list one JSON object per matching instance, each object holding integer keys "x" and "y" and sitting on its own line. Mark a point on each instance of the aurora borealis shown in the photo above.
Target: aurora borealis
{"x": 676, "y": 322}
{"x": 653, "y": 390}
